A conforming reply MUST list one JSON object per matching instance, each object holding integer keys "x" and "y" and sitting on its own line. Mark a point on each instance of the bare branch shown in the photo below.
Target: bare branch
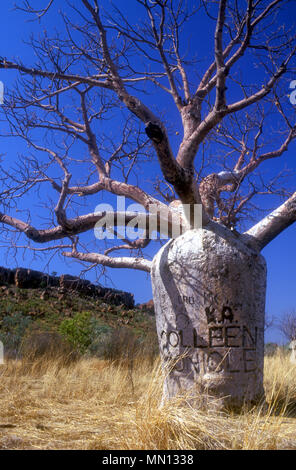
{"x": 75, "y": 79}
{"x": 38, "y": 13}
{"x": 83, "y": 223}
{"x": 86, "y": 115}
{"x": 221, "y": 75}
{"x": 120, "y": 262}
{"x": 271, "y": 226}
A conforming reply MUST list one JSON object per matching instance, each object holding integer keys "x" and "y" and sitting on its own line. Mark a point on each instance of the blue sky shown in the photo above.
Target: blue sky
{"x": 280, "y": 254}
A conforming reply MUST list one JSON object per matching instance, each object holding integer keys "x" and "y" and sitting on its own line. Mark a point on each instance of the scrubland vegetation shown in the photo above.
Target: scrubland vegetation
{"x": 85, "y": 375}
{"x": 94, "y": 403}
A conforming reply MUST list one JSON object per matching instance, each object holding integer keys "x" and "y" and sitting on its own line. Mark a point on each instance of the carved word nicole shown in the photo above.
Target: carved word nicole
{"x": 228, "y": 346}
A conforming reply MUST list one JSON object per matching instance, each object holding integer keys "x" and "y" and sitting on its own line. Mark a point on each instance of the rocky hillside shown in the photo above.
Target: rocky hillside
{"x": 30, "y": 279}
{"x": 92, "y": 319}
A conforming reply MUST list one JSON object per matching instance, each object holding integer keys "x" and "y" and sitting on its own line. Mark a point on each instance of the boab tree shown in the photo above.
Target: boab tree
{"x": 229, "y": 115}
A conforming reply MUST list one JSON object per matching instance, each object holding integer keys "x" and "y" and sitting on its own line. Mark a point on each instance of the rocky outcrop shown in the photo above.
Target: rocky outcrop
{"x": 67, "y": 282}
{"x": 6, "y": 276}
{"x": 31, "y": 279}
{"x": 147, "y": 307}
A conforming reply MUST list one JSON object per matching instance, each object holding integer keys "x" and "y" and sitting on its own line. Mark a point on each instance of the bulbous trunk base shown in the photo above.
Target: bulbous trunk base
{"x": 209, "y": 297}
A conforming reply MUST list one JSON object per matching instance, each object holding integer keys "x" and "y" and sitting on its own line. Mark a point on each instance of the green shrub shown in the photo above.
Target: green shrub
{"x": 78, "y": 330}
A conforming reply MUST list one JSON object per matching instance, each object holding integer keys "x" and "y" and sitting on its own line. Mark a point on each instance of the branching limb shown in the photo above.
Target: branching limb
{"x": 71, "y": 78}
{"x": 155, "y": 129}
{"x": 120, "y": 262}
{"x": 221, "y": 71}
{"x": 39, "y": 13}
{"x": 83, "y": 223}
{"x": 138, "y": 244}
{"x": 271, "y": 226}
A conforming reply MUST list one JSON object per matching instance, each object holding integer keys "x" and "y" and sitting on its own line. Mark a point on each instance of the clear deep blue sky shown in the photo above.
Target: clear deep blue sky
{"x": 280, "y": 254}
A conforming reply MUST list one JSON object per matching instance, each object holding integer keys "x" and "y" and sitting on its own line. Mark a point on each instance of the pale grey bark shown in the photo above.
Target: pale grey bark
{"x": 273, "y": 224}
{"x": 70, "y": 227}
{"x": 114, "y": 262}
{"x": 209, "y": 297}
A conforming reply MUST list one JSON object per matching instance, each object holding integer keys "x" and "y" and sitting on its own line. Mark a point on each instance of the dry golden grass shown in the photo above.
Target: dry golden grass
{"x": 96, "y": 404}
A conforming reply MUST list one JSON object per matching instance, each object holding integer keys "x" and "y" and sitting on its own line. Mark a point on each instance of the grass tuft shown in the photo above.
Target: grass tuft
{"x": 49, "y": 402}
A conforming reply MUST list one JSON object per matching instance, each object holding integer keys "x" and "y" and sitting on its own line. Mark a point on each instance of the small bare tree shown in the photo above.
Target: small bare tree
{"x": 287, "y": 325}
{"x": 209, "y": 298}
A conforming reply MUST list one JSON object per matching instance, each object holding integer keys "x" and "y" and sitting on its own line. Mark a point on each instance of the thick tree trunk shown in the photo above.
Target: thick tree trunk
{"x": 209, "y": 296}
